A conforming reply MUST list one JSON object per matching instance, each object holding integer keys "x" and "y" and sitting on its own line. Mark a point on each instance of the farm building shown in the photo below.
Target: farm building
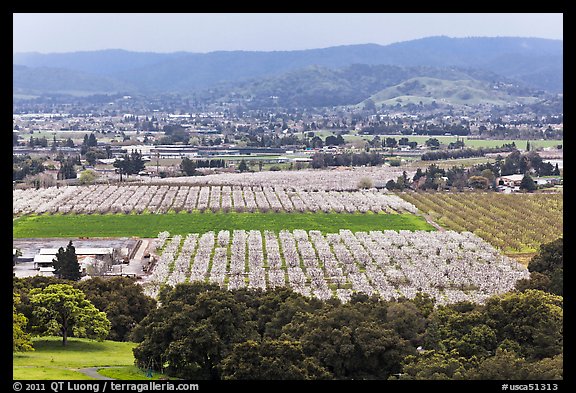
{"x": 87, "y": 257}
{"x": 510, "y": 180}
{"x": 97, "y": 256}
{"x": 548, "y": 180}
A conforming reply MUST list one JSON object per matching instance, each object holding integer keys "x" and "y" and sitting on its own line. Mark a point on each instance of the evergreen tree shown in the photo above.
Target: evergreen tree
{"x": 92, "y": 142}
{"x": 136, "y": 163}
{"x": 66, "y": 263}
{"x": 67, "y": 170}
{"x": 123, "y": 165}
{"x": 528, "y": 184}
{"x": 242, "y": 167}
{"x": 188, "y": 167}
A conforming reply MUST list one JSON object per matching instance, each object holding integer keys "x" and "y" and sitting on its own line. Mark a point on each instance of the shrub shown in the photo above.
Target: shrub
{"x": 365, "y": 183}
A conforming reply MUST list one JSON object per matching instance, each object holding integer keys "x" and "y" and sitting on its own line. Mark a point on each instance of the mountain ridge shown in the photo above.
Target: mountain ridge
{"x": 535, "y": 62}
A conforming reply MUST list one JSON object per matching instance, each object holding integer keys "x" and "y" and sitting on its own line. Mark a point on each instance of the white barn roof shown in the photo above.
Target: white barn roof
{"x": 80, "y": 251}
{"x": 39, "y": 258}
{"x": 513, "y": 177}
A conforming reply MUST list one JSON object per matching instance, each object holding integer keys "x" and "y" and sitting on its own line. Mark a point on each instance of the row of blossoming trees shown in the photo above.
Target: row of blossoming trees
{"x": 161, "y": 199}
{"x": 335, "y": 179}
{"x": 449, "y": 266}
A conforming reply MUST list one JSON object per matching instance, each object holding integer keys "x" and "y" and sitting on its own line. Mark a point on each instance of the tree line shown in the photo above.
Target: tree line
{"x": 464, "y": 153}
{"x": 326, "y": 159}
{"x": 479, "y": 176}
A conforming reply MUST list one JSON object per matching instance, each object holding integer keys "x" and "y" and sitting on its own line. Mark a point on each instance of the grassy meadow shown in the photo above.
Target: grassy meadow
{"x": 149, "y": 225}
{"x": 51, "y": 361}
{"x": 472, "y": 143}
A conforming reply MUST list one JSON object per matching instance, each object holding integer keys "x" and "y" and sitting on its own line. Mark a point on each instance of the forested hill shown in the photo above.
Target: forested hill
{"x": 531, "y": 61}
{"x": 361, "y": 85}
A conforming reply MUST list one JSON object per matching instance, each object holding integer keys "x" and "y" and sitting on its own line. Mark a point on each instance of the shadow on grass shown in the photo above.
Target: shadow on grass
{"x": 55, "y": 345}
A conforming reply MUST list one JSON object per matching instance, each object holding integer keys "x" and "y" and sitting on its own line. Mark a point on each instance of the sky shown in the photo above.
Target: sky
{"x": 207, "y": 32}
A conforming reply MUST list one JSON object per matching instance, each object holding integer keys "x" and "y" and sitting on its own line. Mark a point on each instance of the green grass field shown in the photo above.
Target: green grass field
{"x": 149, "y": 225}
{"x": 446, "y": 164}
{"x": 51, "y": 361}
{"x": 472, "y": 143}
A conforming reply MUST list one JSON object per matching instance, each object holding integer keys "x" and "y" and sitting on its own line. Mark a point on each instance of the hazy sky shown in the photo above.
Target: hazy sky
{"x": 204, "y": 32}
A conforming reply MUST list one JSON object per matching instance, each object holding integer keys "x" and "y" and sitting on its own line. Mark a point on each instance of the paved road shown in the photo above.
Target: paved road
{"x": 93, "y": 372}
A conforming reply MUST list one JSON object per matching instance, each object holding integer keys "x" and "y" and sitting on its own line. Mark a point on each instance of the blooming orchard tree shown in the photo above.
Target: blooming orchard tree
{"x": 448, "y": 266}
{"x": 105, "y": 198}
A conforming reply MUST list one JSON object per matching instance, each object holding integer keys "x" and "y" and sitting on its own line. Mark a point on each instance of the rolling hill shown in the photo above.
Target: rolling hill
{"x": 455, "y": 92}
{"x": 317, "y": 86}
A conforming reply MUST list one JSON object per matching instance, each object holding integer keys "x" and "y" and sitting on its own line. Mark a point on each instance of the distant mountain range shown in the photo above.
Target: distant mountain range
{"x": 292, "y": 76}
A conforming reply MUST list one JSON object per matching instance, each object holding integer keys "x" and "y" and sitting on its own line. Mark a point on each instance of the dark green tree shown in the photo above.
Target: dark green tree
{"x": 549, "y": 258}
{"x": 84, "y": 147}
{"x": 332, "y": 140}
{"x": 188, "y": 167}
{"x": 528, "y": 184}
{"x": 536, "y": 281}
{"x": 507, "y": 365}
{"x": 278, "y": 307}
{"x": 391, "y": 142}
{"x": 547, "y": 268}
{"x": 316, "y": 143}
{"x": 350, "y": 343}
{"x": 90, "y": 157}
{"x": 123, "y": 301}
{"x": 461, "y": 327}
{"x": 66, "y": 264}
{"x": 129, "y": 164}
{"x": 435, "y": 365}
{"x": 271, "y": 360}
{"x": 136, "y": 163}
{"x": 92, "y": 141}
{"x": 192, "y": 331}
{"x": 511, "y": 163}
{"x": 433, "y": 143}
{"x": 391, "y": 185}
{"x": 533, "y": 319}
{"x": 406, "y": 319}
{"x": 123, "y": 165}
{"x": 418, "y": 175}
{"x": 242, "y": 167}
{"x": 67, "y": 169}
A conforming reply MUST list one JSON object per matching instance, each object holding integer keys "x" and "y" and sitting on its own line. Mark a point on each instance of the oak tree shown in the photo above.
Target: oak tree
{"x": 64, "y": 310}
